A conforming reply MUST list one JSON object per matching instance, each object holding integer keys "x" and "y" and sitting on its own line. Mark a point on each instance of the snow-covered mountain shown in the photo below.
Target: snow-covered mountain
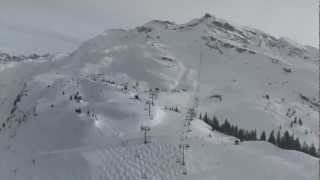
{"x": 6, "y": 57}
{"x": 78, "y": 116}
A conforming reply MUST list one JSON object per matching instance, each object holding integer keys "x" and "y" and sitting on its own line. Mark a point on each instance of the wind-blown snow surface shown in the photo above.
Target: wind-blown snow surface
{"x": 78, "y": 116}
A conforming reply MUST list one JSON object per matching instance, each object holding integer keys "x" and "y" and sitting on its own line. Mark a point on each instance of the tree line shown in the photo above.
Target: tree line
{"x": 284, "y": 141}
{"x": 287, "y": 141}
{"x": 227, "y": 128}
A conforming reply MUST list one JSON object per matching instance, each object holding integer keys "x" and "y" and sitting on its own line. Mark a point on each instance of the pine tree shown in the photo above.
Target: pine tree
{"x": 312, "y": 150}
{"x": 232, "y": 130}
{"x": 247, "y": 135}
{"x": 225, "y": 128}
{"x": 263, "y": 136}
{"x": 215, "y": 123}
{"x": 205, "y": 118}
{"x": 236, "y": 131}
{"x": 297, "y": 144}
{"x": 241, "y": 134}
{"x": 295, "y": 120}
{"x": 176, "y": 109}
{"x": 254, "y": 135}
{"x": 278, "y": 140}
{"x": 291, "y": 143}
{"x": 305, "y": 147}
{"x": 250, "y": 135}
{"x": 285, "y": 140}
{"x": 272, "y": 139}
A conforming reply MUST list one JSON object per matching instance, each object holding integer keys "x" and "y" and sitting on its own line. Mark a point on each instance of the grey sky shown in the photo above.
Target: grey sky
{"x": 61, "y": 25}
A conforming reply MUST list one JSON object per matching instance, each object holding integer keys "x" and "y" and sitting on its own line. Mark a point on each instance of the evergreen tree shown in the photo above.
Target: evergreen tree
{"x": 247, "y": 135}
{"x": 278, "y": 140}
{"x": 305, "y": 147}
{"x": 271, "y": 138}
{"x": 241, "y": 134}
{"x": 285, "y": 140}
{"x": 254, "y": 135}
{"x": 297, "y": 144}
{"x": 312, "y": 150}
{"x": 232, "y": 130}
{"x": 295, "y": 120}
{"x": 225, "y": 127}
{"x": 215, "y": 123}
{"x": 236, "y": 131}
{"x": 251, "y": 136}
{"x": 291, "y": 143}
{"x": 263, "y": 136}
{"x": 205, "y": 118}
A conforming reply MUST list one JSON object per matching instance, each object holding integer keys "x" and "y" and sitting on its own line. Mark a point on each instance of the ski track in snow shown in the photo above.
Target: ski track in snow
{"x": 155, "y": 160}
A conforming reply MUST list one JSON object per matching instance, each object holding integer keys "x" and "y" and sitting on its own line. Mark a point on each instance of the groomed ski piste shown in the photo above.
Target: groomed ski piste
{"x": 78, "y": 116}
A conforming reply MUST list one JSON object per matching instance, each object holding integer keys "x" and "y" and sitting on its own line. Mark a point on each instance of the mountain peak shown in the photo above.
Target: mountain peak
{"x": 207, "y": 15}
{"x": 154, "y": 24}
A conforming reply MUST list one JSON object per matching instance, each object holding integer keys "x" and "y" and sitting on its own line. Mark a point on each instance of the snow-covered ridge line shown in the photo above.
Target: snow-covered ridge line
{"x": 6, "y": 57}
{"x": 248, "y": 37}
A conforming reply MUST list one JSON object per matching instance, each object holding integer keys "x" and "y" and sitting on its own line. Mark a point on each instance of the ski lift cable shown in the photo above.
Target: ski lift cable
{"x": 197, "y": 90}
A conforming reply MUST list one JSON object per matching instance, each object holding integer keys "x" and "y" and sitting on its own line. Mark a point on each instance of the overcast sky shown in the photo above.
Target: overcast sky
{"x": 61, "y": 25}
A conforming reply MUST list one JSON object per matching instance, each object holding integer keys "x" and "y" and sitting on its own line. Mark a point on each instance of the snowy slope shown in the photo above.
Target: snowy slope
{"x": 78, "y": 115}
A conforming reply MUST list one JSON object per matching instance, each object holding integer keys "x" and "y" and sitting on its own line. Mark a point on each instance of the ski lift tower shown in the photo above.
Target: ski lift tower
{"x": 153, "y": 95}
{"x": 183, "y": 147}
{"x": 189, "y": 117}
{"x": 145, "y": 129}
{"x": 149, "y": 103}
